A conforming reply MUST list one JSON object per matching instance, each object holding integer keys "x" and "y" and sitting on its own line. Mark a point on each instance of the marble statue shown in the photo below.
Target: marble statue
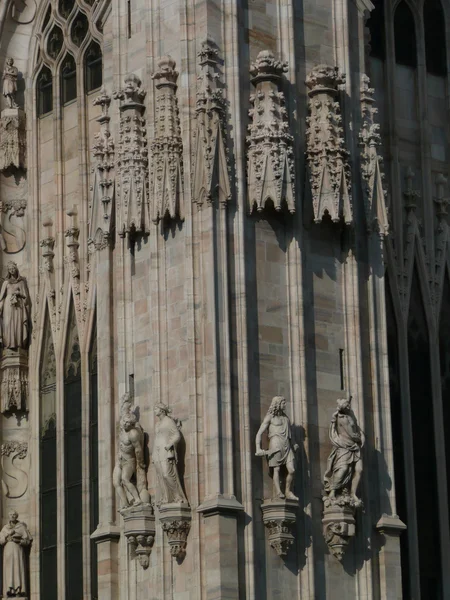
{"x": 165, "y": 458}
{"x": 14, "y": 310}
{"x": 9, "y": 78}
{"x": 344, "y": 466}
{"x": 15, "y": 538}
{"x": 129, "y": 476}
{"x": 281, "y": 450}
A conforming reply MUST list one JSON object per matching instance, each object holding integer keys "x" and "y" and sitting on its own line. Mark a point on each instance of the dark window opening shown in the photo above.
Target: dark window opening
{"x": 375, "y": 25}
{"x": 93, "y": 464}
{"x": 434, "y": 25}
{"x": 405, "y": 36}
{"x": 444, "y": 349}
{"x": 44, "y": 92}
{"x": 93, "y": 68}
{"x": 46, "y": 20}
{"x": 68, "y": 79}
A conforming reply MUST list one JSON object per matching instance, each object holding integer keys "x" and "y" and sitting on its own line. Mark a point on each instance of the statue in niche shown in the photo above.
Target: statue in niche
{"x": 15, "y": 538}
{"x": 14, "y": 310}
{"x": 165, "y": 458}
{"x": 281, "y": 452}
{"x": 344, "y": 466}
{"x": 9, "y": 78}
{"x": 129, "y": 475}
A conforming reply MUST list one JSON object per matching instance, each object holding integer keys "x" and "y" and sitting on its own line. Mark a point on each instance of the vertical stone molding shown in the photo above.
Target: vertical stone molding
{"x": 371, "y": 162}
{"x": 270, "y": 156}
{"x": 326, "y": 154}
{"x": 211, "y": 168}
{"x": 72, "y": 234}
{"x": 102, "y": 207}
{"x": 132, "y": 161}
{"x": 167, "y": 147}
{"x": 279, "y": 517}
{"x": 175, "y": 521}
{"x": 47, "y": 268}
{"x": 341, "y": 480}
{"x": 12, "y": 139}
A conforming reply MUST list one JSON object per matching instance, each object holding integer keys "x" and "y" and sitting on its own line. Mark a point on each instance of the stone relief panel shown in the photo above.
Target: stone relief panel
{"x": 14, "y": 468}
{"x": 341, "y": 479}
{"x": 326, "y": 153}
{"x": 270, "y": 155}
{"x": 15, "y": 539}
{"x": 279, "y": 513}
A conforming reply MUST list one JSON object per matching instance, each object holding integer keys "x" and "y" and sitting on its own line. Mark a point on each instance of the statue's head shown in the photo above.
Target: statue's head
{"x": 162, "y": 409}
{"x": 344, "y": 403}
{"x": 12, "y": 269}
{"x": 13, "y": 516}
{"x": 10, "y": 61}
{"x": 277, "y": 405}
{"x": 129, "y": 421}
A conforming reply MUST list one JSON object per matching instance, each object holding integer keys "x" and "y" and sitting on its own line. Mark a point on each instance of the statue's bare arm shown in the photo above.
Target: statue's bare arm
{"x": 264, "y": 427}
{"x": 135, "y": 439}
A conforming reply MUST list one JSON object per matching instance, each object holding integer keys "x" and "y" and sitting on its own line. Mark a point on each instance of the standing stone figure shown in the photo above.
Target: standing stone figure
{"x": 344, "y": 466}
{"x": 14, "y": 310}
{"x": 9, "y": 78}
{"x": 165, "y": 457}
{"x": 281, "y": 450}
{"x": 14, "y": 537}
{"x": 129, "y": 475}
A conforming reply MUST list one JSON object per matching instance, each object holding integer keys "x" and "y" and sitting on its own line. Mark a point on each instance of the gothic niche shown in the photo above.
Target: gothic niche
{"x": 270, "y": 157}
{"x": 174, "y": 510}
{"x": 279, "y": 513}
{"x": 326, "y": 154}
{"x": 341, "y": 479}
{"x": 15, "y": 337}
{"x": 130, "y": 482}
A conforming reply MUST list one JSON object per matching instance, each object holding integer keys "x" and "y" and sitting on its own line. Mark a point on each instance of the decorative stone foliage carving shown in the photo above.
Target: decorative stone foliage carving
{"x": 279, "y": 518}
{"x": 211, "y": 167}
{"x": 326, "y": 154}
{"x": 167, "y": 147}
{"x": 139, "y": 529}
{"x": 15, "y": 538}
{"x": 270, "y": 157}
{"x": 371, "y": 161}
{"x": 14, "y": 476}
{"x": 132, "y": 161}
{"x": 176, "y": 522}
{"x": 341, "y": 480}
{"x": 12, "y": 139}
{"x": 130, "y": 476}
{"x": 101, "y": 217}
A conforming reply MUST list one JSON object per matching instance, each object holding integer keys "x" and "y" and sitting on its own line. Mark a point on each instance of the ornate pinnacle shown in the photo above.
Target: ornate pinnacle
{"x": 166, "y": 73}
{"x": 267, "y": 68}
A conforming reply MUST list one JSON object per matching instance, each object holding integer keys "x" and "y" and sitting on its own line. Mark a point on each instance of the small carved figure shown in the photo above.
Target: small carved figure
{"x": 9, "y": 78}
{"x": 344, "y": 466}
{"x": 281, "y": 450}
{"x": 165, "y": 457}
{"x": 129, "y": 475}
{"x": 14, "y": 310}
{"x": 15, "y": 537}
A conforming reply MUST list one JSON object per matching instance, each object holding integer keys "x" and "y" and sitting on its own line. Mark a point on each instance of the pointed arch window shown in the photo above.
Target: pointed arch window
{"x": 93, "y": 68}
{"x": 405, "y": 36}
{"x": 376, "y": 28}
{"x": 44, "y": 92}
{"x": 68, "y": 79}
{"x": 434, "y": 25}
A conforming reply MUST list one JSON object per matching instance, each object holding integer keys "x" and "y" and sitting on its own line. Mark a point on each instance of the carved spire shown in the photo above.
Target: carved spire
{"x": 102, "y": 207}
{"x": 167, "y": 147}
{"x": 72, "y": 260}
{"x": 270, "y": 162}
{"x": 132, "y": 160}
{"x": 327, "y": 156}
{"x": 369, "y": 142}
{"x": 211, "y": 169}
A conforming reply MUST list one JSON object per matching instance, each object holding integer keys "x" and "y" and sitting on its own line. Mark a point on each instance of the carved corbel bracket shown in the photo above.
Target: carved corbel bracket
{"x": 279, "y": 517}
{"x": 339, "y": 526}
{"x": 270, "y": 156}
{"x": 175, "y": 520}
{"x": 12, "y": 139}
{"x": 14, "y": 381}
{"x": 139, "y": 529}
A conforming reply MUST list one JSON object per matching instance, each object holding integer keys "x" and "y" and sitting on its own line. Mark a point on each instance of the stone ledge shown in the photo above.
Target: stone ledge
{"x": 106, "y": 533}
{"x": 219, "y": 504}
{"x": 390, "y": 524}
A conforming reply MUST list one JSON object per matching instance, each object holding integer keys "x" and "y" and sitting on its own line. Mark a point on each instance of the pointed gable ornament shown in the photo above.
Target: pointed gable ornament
{"x": 326, "y": 154}
{"x": 211, "y": 167}
{"x": 167, "y": 147}
{"x": 270, "y": 157}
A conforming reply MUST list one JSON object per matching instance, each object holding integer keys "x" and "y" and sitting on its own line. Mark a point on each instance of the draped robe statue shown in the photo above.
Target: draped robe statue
{"x": 14, "y": 537}
{"x": 344, "y": 464}
{"x": 165, "y": 457}
{"x": 14, "y": 310}
{"x": 10, "y": 74}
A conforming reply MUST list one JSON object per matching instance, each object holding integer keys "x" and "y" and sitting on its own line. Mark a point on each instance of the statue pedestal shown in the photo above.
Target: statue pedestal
{"x": 339, "y": 526}
{"x": 12, "y": 139}
{"x": 14, "y": 380}
{"x": 139, "y": 529}
{"x": 279, "y": 516}
{"x": 175, "y": 519}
